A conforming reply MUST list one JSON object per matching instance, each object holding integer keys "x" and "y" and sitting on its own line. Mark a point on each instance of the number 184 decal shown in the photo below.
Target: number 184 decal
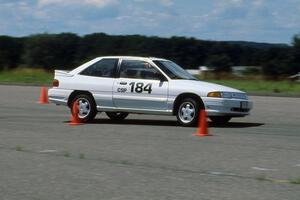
{"x": 141, "y": 87}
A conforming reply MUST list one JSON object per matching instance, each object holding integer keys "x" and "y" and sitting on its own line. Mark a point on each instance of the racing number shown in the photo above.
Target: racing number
{"x": 139, "y": 87}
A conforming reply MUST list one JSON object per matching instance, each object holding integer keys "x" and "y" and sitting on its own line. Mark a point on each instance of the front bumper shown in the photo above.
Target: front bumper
{"x": 227, "y": 107}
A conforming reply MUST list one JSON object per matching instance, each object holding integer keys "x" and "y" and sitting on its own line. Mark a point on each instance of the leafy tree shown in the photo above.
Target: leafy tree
{"x": 294, "y": 64}
{"x": 51, "y": 51}
{"x": 10, "y": 52}
{"x": 67, "y": 50}
{"x": 275, "y": 62}
{"x": 220, "y": 63}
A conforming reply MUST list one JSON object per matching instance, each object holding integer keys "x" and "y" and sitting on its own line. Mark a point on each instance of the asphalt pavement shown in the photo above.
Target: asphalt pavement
{"x": 146, "y": 156}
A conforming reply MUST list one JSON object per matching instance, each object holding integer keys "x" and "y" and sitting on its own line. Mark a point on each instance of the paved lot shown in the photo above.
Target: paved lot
{"x": 146, "y": 157}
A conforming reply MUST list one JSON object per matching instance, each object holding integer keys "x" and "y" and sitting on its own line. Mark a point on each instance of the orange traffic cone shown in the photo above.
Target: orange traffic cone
{"x": 74, "y": 118}
{"x": 202, "y": 130}
{"x": 44, "y": 96}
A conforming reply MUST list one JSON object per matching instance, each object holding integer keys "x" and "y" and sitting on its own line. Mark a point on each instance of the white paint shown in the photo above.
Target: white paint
{"x": 298, "y": 165}
{"x": 155, "y": 103}
{"x": 222, "y": 173}
{"x": 48, "y": 151}
{"x": 263, "y": 169}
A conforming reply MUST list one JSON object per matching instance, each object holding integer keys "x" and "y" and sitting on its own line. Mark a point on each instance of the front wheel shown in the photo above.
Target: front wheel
{"x": 188, "y": 112}
{"x": 117, "y": 116}
{"x": 220, "y": 120}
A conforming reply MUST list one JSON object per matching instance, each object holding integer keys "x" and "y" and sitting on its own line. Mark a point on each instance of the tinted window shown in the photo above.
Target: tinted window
{"x": 138, "y": 69}
{"x": 102, "y": 68}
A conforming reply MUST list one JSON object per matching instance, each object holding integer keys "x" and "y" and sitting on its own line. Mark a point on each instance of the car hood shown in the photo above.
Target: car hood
{"x": 204, "y": 86}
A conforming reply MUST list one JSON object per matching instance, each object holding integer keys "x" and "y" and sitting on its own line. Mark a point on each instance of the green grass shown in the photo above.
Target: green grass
{"x": 26, "y": 76}
{"x": 19, "y": 148}
{"x": 81, "y": 156}
{"x": 252, "y": 85}
{"x": 261, "y": 177}
{"x": 295, "y": 181}
{"x": 67, "y": 154}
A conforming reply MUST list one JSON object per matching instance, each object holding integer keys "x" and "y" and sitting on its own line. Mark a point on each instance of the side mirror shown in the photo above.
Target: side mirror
{"x": 161, "y": 77}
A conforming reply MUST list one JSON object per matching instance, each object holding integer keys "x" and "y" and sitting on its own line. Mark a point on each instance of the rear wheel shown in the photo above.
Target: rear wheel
{"x": 86, "y": 106}
{"x": 117, "y": 116}
{"x": 188, "y": 112}
{"x": 220, "y": 119}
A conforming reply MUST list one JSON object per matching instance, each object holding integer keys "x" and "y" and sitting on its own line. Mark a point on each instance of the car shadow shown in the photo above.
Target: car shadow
{"x": 235, "y": 125}
{"x": 147, "y": 122}
{"x": 142, "y": 122}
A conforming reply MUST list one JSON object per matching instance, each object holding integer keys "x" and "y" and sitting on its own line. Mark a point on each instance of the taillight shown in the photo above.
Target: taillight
{"x": 55, "y": 83}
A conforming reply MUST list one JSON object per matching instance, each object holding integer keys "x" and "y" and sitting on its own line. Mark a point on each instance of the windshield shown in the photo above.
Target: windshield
{"x": 173, "y": 70}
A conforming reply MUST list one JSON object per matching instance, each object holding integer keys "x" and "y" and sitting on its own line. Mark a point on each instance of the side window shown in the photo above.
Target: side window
{"x": 102, "y": 68}
{"x": 138, "y": 69}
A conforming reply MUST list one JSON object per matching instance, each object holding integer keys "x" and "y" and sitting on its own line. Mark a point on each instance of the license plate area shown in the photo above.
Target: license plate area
{"x": 243, "y": 105}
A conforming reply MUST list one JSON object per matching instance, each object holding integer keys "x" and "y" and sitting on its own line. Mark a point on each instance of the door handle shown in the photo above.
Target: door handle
{"x": 123, "y": 83}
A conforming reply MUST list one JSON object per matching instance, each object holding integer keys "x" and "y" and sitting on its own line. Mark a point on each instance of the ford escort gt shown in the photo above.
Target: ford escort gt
{"x": 119, "y": 85}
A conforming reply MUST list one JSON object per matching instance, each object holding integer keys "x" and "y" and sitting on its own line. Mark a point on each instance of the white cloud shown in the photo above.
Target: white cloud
{"x": 167, "y": 2}
{"x": 258, "y": 3}
{"x": 258, "y": 20}
{"x": 237, "y": 2}
{"x": 98, "y": 3}
{"x": 163, "y": 2}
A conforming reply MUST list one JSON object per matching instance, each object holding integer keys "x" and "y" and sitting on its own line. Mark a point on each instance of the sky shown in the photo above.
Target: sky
{"x": 272, "y": 21}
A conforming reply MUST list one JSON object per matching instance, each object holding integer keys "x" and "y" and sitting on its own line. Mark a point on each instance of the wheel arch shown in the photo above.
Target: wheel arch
{"x": 182, "y": 96}
{"x": 78, "y": 92}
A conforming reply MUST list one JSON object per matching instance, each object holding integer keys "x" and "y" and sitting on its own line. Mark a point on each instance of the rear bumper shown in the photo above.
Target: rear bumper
{"x": 227, "y": 107}
{"x": 59, "y": 96}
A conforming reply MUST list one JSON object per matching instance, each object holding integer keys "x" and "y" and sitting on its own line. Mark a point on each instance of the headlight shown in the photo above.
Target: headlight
{"x": 215, "y": 94}
{"x": 227, "y": 95}
{"x": 239, "y": 96}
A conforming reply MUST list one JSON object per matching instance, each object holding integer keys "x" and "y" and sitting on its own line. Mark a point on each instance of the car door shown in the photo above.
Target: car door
{"x": 140, "y": 87}
{"x": 98, "y": 78}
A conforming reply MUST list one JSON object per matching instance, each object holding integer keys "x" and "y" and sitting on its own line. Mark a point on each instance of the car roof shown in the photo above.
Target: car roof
{"x": 133, "y": 57}
{"x": 83, "y": 66}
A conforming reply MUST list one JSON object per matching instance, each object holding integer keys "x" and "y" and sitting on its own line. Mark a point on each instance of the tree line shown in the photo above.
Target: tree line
{"x": 68, "y": 50}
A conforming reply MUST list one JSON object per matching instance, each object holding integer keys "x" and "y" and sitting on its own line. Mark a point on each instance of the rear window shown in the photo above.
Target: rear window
{"x": 103, "y": 68}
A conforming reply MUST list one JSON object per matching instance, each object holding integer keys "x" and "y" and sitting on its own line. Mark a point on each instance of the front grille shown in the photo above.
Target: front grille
{"x": 240, "y": 109}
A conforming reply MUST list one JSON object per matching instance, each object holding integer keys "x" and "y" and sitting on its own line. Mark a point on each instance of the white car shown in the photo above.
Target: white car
{"x": 119, "y": 85}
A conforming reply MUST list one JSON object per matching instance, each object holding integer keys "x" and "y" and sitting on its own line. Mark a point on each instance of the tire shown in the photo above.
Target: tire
{"x": 188, "y": 112}
{"x": 87, "y": 107}
{"x": 220, "y": 120}
{"x": 117, "y": 116}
